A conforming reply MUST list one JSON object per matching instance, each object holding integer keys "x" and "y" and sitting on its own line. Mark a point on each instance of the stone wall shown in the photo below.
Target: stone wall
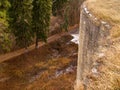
{"x": 94, "y": 35}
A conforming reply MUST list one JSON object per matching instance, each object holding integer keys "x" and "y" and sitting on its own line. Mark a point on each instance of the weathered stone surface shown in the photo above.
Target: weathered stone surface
{"x": 93, "y": 37}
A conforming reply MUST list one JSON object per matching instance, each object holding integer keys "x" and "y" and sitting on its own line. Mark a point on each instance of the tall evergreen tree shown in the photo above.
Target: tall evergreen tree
{"x": 5, "y": 42}
{"x": 4, "y": 6}
{"x": 41, "y": 18}
{"x": 20, "y": 14}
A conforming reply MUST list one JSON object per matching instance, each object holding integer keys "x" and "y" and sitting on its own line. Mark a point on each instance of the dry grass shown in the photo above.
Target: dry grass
{"x": 36, "y": 70}
{"x": 109, "y": 78}
{"x": 63, "y": 82}
{"x": 108, "y": 11}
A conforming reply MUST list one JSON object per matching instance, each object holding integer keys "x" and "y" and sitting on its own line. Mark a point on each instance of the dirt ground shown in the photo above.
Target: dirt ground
{"x": 51, "y": 67}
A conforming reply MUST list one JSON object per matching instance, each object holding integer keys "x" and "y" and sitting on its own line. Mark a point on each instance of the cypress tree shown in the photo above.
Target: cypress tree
{"x": 4, "y": 6}
{"x": 41, "y": 18}
{"x": 20, "y": 22}
{"x": 5, "y": 42}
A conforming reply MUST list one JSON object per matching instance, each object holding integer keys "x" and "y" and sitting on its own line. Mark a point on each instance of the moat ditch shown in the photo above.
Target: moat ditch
{"x": 50, "y": 62}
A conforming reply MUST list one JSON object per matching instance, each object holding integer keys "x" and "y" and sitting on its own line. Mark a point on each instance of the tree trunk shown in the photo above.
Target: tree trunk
{"x": 36, "y": 43}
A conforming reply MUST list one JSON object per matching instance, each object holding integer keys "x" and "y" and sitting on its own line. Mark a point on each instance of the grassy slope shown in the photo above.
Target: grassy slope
{"x": 108, "y": 10}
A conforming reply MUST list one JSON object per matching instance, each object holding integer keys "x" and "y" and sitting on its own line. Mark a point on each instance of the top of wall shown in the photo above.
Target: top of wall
{"x": 108, "y": 11}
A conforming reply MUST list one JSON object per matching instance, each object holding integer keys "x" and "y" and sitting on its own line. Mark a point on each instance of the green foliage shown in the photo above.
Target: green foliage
{"x": 66, "y": 20}
{"x": 4, "y": 6}
{"x": 58, "y": 6}
{"x": 69, "y": 10}
{"x": 41, "y": 18}
{"x": 30, "y": 18}
{"x": 20, "y": 23}
{"x": 5, "y": 41}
